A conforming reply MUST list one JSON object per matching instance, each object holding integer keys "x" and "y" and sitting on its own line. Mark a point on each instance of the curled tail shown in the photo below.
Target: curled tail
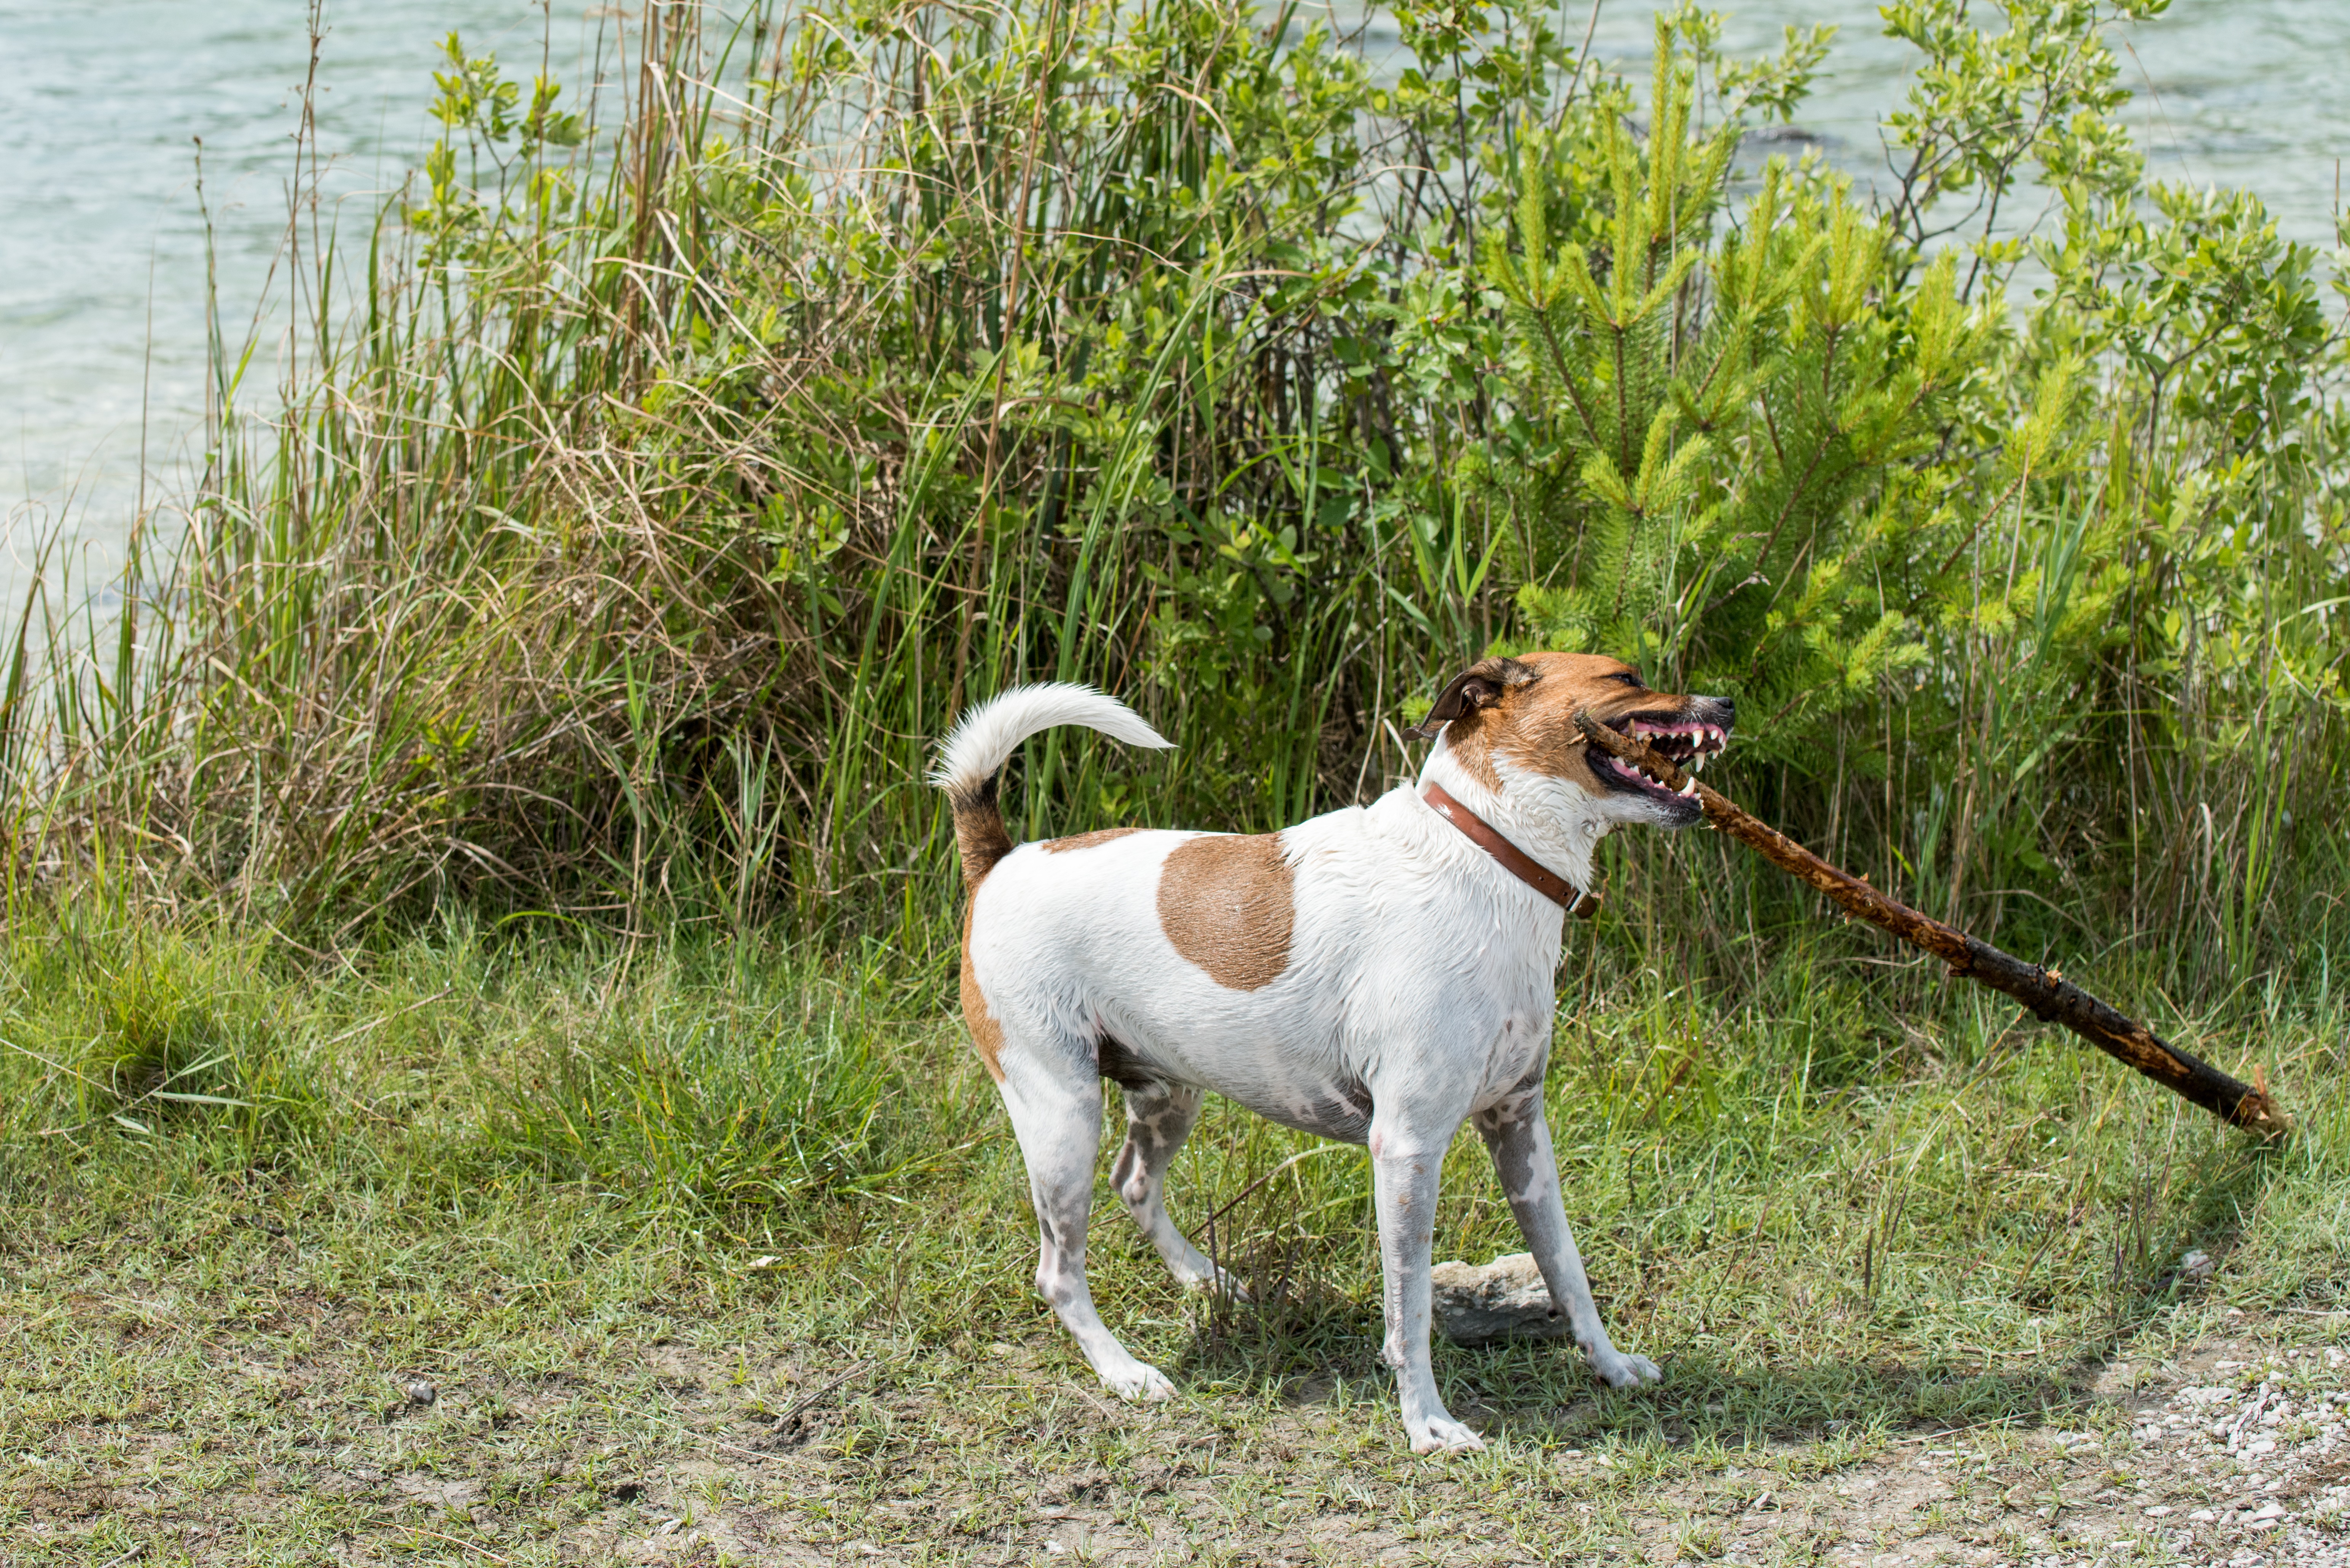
{"x": 990, "y": 732}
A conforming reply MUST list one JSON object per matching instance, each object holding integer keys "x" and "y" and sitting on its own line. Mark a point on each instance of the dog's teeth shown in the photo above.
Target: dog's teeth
{"x": 1697, "y": 763}
{"x": 1688, "y": 786}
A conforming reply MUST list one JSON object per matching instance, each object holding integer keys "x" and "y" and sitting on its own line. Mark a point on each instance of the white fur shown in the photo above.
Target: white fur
{"x": 991, "y": 731}
{"x": 1417, "y": 995}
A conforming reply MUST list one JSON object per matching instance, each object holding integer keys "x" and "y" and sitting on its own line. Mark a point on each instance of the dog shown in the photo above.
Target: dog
{"x": 1378, "y": 974}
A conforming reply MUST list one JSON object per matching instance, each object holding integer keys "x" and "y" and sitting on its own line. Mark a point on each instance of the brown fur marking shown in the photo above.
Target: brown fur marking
{"x": 986, "y": 1034}
{"x": 979, "y": 837}
{"x": 1481, "y": 689}
{"x": 1227, "y": 902}
{"x": 1469, "y": 742}
{"x": 1084, "y": 840}
{"x": 1533, "y": 725}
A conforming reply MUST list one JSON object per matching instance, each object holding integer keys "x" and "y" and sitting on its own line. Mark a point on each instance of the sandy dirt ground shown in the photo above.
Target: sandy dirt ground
{"x": 2234, "y": 1453}
{"x": 2232, "y": 1450}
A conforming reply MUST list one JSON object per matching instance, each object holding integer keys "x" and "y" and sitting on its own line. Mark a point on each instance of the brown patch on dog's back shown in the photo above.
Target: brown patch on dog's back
{"x": 986, "y": 1034}
{"x": 1227, "y": 902}
{"x": 1084, "y": 840}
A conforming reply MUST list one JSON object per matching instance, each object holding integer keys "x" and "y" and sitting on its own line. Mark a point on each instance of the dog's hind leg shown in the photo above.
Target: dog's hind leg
{"x": 1055, "y": 1101}
{"x": 1158, "y": 1117}
{"x": 1519, "y": 1138}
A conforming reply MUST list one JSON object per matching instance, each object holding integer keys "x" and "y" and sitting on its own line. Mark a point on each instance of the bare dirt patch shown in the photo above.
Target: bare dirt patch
{"x": 2233, "y": 1452}
{"x": 625, "y": 1432}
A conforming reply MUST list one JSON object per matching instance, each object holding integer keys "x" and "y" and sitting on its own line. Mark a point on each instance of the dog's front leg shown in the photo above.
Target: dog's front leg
{"x": 1405, "y": 1165}
{"x": 1519, "y": 1137}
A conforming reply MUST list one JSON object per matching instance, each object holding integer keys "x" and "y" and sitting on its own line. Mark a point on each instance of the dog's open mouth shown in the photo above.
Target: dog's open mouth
{"x": 1684, "y": 743}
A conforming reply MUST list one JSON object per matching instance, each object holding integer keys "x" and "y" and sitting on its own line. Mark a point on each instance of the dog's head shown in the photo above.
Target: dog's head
{"x": 1518, "y": 714}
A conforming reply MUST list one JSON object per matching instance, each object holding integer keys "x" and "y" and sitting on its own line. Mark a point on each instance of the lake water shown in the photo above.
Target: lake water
{"x": 102, "y": 247}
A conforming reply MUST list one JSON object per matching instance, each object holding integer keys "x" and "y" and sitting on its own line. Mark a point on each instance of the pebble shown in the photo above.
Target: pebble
{"x": 2272, "y": 1428}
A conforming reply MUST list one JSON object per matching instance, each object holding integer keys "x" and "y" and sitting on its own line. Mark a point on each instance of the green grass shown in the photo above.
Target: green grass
{"x": 626, "y": 1206}
{"x": 472, "y": 911}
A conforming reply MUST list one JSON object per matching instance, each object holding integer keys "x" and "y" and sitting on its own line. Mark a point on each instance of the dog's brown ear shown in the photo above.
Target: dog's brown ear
{"x": 1479, "y": 686}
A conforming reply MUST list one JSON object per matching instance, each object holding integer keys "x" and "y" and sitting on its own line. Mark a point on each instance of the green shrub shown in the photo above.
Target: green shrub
{"x": 678, "y": 480}
{"x": 1719, "y": 464}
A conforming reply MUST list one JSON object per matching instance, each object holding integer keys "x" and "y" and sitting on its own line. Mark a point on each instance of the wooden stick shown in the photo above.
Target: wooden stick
{"x": 2047, "y": 992}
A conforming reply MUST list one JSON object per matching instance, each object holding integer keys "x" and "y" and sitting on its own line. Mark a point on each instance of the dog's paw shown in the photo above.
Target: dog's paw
{"x": 1621, "y": 1371}
{"x": 1444, "y": 1435}
{"x": 1141, "y": 1380}
{"x": 1222, "y": 1282}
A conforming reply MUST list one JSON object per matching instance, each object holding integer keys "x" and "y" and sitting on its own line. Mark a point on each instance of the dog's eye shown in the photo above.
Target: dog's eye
{"x": 1629, "y": 678}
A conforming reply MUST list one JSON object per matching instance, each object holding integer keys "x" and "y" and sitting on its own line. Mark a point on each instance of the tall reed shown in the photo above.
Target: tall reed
{"x": 690, "y": 460}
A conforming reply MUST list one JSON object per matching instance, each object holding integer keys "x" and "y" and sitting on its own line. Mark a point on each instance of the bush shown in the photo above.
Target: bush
{"x": 675, "y": 483}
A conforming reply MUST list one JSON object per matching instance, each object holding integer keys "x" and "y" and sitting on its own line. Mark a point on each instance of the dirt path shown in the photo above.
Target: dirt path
{"x": 688, "y": 1448}
{"x": 2233, "y": 1454}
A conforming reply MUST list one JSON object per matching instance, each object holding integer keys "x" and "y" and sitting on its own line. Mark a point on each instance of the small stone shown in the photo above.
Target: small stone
{"x": 1504, "y": 1299}
{"x": 2203, "y": 1516}
{"x": 419, "y": 1391}
{"x": 2197, "y": 1266}
{"x": 2159, "y": 1511}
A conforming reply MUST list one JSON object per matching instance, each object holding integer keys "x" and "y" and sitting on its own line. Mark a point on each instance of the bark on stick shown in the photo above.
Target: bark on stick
{"x": 2048, "y": 995}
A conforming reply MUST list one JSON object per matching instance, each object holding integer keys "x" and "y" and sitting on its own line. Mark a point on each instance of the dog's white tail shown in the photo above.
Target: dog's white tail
{"x": 988, "y": 734}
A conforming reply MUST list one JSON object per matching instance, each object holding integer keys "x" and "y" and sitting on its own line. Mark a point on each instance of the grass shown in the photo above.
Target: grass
{"x": 656, "y": 1273}
{"x": 473, "y": 915}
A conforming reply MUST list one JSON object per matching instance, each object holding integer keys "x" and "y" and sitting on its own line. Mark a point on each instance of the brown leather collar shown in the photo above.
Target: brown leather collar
{"x": 1514, "y": 860}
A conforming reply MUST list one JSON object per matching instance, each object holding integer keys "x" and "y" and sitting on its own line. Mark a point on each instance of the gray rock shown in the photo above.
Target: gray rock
{"x": 1504, "y": 1299}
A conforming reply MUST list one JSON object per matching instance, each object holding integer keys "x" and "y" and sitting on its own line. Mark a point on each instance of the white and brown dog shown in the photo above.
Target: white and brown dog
{"x": 1378, "y": 974}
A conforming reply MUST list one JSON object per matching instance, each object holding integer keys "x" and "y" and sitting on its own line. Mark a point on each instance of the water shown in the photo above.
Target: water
{"x": 102, "y": 250}
{"x": 102, "y": 254}
{"x": 2229, "y": 92}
